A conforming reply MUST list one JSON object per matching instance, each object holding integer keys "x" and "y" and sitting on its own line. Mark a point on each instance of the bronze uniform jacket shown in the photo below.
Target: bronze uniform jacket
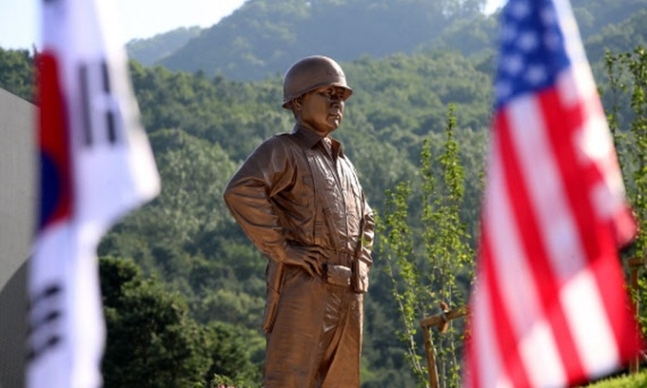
{"x": 275, "y": 200}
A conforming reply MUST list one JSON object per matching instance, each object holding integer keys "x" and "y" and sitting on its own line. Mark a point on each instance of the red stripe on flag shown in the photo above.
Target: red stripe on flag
{"x": 531, "y": 241}
{"x": 505, "y": 333}
{"x": 608, "y": 275}
{"x": 579, "y": 178}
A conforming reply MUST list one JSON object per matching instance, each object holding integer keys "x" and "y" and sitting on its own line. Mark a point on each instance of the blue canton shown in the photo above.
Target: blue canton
{"x": 533, "y": 50}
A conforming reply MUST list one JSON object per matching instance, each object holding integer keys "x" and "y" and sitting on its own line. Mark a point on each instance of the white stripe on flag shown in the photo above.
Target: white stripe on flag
{"x": 560, "y": 234}
{"x": 518, "y": 286}
{"x": 589, "y": 324}
{"x": 487, "y": 351}
{"x": 544, "y": 182}
{"x": 594, "y": 141}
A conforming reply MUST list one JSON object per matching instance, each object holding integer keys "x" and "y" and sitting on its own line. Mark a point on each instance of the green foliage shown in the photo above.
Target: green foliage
{"x": 625, "y": 381}
{"x": 397, "y": 239}
{"x": 408, "y": 95}
{"x": 151, "y": 327}
{"x": 628, "y": 76}
{"x": 447, "y": 246}
{"x": 232, "y": 306}
{"x": 620, "y": 37}
{"x": 594, "y": 14}
{"x": 424, "y": 282}
{"x": 17, "y": 73}
{"x": 188, "y": 211}
{"x": 230, "y": 350}
{"x": 152, "y": 341}
{"x": 226, "y": 382}
{"x": 152, "y": 50}
{"x": 264, "y": 37}
{"x": 194, "y": 175}
{"x": 637, "y": 64}
{"x": 474, "y": 35}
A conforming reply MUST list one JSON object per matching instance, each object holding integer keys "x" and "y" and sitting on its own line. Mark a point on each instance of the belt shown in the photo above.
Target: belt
{"x": 344, "y": 258}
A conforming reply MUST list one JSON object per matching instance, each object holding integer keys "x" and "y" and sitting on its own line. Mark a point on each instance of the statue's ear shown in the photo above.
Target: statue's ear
{"x": 297, "y": 103}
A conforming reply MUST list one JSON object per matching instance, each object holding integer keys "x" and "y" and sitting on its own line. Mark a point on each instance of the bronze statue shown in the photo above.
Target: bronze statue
{"x": 298, "y": 199}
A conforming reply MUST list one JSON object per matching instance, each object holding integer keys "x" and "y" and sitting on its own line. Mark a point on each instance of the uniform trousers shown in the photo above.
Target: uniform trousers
{"x": 317, "y": 335}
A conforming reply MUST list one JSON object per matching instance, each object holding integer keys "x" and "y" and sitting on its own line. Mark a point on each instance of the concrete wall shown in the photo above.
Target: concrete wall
{"x": 17, "y": 201}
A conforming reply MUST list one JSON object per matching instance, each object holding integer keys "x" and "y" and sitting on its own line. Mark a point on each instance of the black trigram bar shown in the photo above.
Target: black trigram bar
{"x": 47, "y": 319}
{"x": 49, "y": 291}
{"x": 110, "y": 116}
{"x": 86, "y": 114}
{"x": 34, "y": 352}
{"x": 43, "y": 331}
{"x": 95, "y": 85}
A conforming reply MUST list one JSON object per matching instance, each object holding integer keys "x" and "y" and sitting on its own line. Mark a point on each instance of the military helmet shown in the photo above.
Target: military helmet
{"x": 311, "y": 73}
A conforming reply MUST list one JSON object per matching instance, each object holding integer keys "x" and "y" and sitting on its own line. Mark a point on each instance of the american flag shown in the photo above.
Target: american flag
{"x": 549, "y": 307}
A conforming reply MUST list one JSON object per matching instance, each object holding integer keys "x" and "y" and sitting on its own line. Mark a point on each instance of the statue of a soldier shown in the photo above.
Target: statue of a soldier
{"x": 298, "y": 199}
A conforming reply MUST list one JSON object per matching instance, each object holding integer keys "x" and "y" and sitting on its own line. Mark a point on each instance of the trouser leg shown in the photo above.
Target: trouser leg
{"x": 291, "y": 355}
{"x": 316, "y": 340}
{"x": 341, "y": 341}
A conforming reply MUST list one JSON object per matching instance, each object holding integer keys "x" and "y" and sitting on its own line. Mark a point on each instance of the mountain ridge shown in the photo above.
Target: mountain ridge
{"x": 263, "y": 37}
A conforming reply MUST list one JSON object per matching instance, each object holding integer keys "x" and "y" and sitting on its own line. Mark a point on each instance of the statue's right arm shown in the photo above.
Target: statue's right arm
{"x": 267, "y": 171}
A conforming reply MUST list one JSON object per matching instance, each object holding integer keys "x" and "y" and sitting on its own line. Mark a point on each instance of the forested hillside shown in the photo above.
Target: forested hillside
{"x": 263, "y": 37}
{"x": 184, "y": 250}
{"x": 152, "y": 50}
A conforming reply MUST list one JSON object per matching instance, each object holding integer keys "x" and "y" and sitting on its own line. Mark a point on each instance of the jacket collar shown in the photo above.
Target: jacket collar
{"x": 310, "y": 138}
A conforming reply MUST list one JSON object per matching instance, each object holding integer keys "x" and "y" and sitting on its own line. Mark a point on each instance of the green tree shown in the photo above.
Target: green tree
{"x": 627, "y": 73}
{"x": 190, "y": 206}
{"x": 152, "y": 341}
{"x": 17, "y": 73}
{"x": 429, "y": 280}
{"x": 229, "y": 354}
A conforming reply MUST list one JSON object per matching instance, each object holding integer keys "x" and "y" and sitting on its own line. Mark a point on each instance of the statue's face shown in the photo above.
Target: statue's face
{"x": 322, "y": 109}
